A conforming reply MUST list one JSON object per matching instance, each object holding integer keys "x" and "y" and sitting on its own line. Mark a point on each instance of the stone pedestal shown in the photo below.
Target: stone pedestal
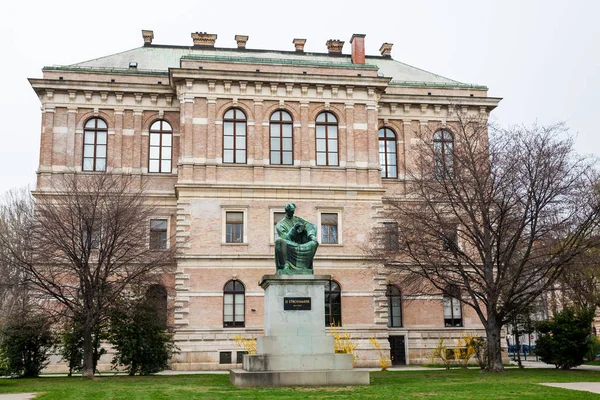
{"x": 296, "y": 349}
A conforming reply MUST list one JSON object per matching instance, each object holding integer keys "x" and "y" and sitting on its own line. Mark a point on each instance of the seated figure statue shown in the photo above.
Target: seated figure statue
{"x": 296, "y": 245}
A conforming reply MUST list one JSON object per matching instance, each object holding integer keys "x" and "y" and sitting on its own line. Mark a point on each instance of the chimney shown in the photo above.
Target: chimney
{"x": 148, "y": 36}
{"x": 299, "y": 43}
{"x": 358, "y": 48}
{"x": 386, "y": 50}
{"x": 203, "y": 39}
{"x": 241, "y": 41}
{"x": 334, "y": 46}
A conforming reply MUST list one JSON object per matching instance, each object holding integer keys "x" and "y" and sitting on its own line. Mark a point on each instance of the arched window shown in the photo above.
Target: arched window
{"x": 95, "y": 135}
{"x": 443, "y": 147}
{"x": 156, "y": 296}
{"x": 327, "y": 139}
{"x": 234, "y": 137}
{"x": 387, "y": 153}
{"x": 394, "y": 306}
{"x": 281, "y": 138}
{"x": 161, "y": 144}
{"x": 333, "y": 304}
{"x": 233, "y": 304}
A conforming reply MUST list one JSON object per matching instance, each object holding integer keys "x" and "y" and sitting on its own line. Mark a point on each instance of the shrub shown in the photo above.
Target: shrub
{"x": 25, "y": 343}
{"x": 342, "y": 343}
{"x": 594, "y": 349}
{"x": 565, "y": 339}
{"x": 384, "y": 361}
{"x": 143, "y": 344}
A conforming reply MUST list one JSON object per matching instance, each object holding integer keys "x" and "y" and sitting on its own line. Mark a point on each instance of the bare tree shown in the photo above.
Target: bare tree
{"x": 580, "y": 284}
{"x": 493, "y": 219}
{"x": 16, "y": 210}
{"x": 86, "y": 244}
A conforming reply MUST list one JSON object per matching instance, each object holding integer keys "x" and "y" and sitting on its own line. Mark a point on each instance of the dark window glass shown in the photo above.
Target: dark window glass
{"x": 452, "y": 312}
{"x": 161, "y": 144}
{"x": 240, "y": 356}
{"x": 390, "y": 236}
{"x": 394, "y": 306}
{"x": 387, "y": 153}
{"x": 158, "y": 234}
{"x": 280, "y": 139}
{"x": 224, "y": 357}
{"x": 333, "y": 304}
{"x": 156, "y": 296}
{"x": 234, "y": 304}
{"x": 234, "y": 227}
{"x": 443, "y": 148}
{"x": 326, "y": 132}
{"x": 95, "y": 138}
{"x": 92, "y": 236}
{"x": 329, "y": 228}
{"x": 450, "y": 239}
{"x": 234, "y": 137}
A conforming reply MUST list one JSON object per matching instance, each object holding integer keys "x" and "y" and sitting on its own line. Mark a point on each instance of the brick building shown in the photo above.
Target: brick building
{"x": 224, "y": 138}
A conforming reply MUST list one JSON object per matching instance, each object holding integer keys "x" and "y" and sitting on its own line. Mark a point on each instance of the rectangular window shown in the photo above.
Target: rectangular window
{"x": 450, "y": 239}
{"x": 158, "y": 234}
{"x": 329, "y": 228}
{"x": 240, "y": 356}
{"x": 224, "y": 357}
{"x": 452, "y": 312}
{"x": 234, "y": 227}
{"x": 390, "y": 236}
{"x": 93, "y": 238}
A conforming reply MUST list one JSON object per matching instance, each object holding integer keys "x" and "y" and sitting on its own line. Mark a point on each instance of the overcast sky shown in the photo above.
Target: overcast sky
{"x": 541, "y": 57}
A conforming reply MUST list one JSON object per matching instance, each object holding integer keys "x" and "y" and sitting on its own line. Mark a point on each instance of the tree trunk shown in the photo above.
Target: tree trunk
{"x": 88, "y": 350}
{"x": 518, "y": 348}
{"x": 494, "y": 347}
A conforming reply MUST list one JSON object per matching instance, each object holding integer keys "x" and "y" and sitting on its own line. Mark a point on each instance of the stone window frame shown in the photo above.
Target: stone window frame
{"x": 327, "y": 210}
{"x": 224, "y": 211}
{"x": 153, "y": 218}
{"x": 95, "y": 130}
{"x": 272, "y": 212}
{"x": 281, "y": 123}
{"x": 161, "y": 132}
{"x": 235, "y": 120}
{"x": 327, "y": 151}
{"x": 389, "y": 296}
{"x": 234, "y": 292}
{"x": 385, "y": 131}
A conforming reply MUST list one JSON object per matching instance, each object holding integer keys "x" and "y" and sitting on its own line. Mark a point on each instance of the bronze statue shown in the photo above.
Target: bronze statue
{"x": 296, "y": 245}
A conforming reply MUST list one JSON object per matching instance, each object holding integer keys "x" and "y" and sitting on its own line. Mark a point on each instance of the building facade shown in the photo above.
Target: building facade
{"x": 223, "y": 138}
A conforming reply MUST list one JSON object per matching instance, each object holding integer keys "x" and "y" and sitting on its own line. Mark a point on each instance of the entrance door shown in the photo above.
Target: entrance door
{"x": 397, "y": 350}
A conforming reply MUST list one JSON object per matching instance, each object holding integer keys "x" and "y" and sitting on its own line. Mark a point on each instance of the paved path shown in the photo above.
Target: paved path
{"x": 18, "y": 396}
{"x": 593, "y": 387}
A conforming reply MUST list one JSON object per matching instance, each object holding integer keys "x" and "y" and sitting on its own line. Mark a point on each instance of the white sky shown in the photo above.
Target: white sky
{"x": 542, "y": 57}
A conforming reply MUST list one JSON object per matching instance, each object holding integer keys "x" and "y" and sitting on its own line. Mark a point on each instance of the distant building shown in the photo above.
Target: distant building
{"x": 224, "y": 138}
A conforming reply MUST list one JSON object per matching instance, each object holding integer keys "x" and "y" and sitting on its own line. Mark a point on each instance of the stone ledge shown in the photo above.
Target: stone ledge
{"x": 243, "y": 378}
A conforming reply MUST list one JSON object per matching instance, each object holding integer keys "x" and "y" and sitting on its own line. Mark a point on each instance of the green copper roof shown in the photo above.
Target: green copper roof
{"x": 157, "y": 59}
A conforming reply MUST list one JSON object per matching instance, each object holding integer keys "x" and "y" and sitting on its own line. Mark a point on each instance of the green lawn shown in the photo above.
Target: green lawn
{"x": 454, "y": 384}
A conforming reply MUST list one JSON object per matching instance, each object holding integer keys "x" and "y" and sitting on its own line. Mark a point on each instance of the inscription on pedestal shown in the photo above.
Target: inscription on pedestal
{"x": 296, "y": 303}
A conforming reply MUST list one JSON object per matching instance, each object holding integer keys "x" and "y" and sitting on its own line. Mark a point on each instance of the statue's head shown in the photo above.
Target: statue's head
{"x": 289, "y": 209}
